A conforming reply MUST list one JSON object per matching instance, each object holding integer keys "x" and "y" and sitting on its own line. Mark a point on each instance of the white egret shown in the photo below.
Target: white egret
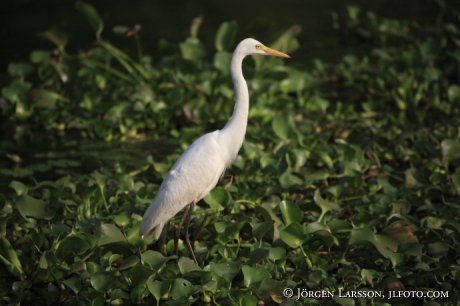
{"x": 199, "y": 168}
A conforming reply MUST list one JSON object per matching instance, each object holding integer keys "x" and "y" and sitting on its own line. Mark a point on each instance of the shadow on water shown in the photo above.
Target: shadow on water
{"x": 50, "y": 160}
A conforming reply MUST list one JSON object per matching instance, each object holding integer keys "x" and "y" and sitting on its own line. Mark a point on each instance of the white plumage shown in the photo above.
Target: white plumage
{"x": 182, "y": 186}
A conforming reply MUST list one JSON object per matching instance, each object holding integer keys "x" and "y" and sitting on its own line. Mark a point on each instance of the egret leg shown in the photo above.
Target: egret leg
{"x": 229, "y": 182}
{"x": 187, "y": 236}
{"x": 179, "y": 228}
{"x": 198, "y": 233}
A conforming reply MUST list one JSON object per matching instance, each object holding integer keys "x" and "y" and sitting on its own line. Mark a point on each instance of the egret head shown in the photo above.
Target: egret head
{"x": 251, "y": 46}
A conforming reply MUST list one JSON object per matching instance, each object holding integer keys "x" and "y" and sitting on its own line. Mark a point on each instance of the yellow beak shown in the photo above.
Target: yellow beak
{"x": 275, "y": 53}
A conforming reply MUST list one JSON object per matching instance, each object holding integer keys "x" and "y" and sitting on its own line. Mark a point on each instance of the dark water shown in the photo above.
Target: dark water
{"x": 21, "y": 20}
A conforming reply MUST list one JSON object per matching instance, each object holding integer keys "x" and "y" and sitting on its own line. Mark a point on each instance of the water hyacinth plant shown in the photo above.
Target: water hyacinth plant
{"x": 348, "y": 179}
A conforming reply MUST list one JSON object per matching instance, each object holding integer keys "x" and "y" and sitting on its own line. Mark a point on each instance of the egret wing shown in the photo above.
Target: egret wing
{"x": 191, "y": 178}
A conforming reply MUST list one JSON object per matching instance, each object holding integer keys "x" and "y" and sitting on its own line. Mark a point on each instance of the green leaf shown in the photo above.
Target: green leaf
{"x": 323, "y": 231}
{"x": 181, "y": 289}
{"x": 226, "y": 270}
{"x": 119, "y": 294}
{"x": 93, "y": 267}
{"x": 344, "y": 301}
{"x": 293, "y": 235}
{"x": 154, "y": 260}
{"x": 367, "y": 275}
{"x": 60, "y": 228}
{"x": 139, "y": 275}
{"x": 12, "y": 269}
{"x": 122, "y": 247}
{"x": 187, "y": 265}
{"x": 73, "y": 284}
{"x": 92, "y": 16}
{"x": 46, "y": 98}
{"x": 11, "y": 262}
{"x": 339, "y": 226}
{"x": 412, "y": 249}
{"x": 301, "y": 157}
{"x": 225, "y": 36}
{"x": 192, "y": 49}
{"x": 317, "y": 176}
{"x": 121, "y": 219}
{"x": 453, "y": 93}
{"x": 260, "y": 229}
{"x": 253, "y": 277}
{"x": 16, "y": 92}
{"x": 415, "y": 177}
{"x": 324, "y": 204}
{"x": 109, "y": 233}
{"x": 19, "y": 187}
{"x": 387, "y": 246}
{"x": 125, "y": 182}
{"x": 288, "y": 180}
{"x": 400, "y": 231}
{"x": 72, "y": 245}
{"x": 100, "y": 179}
{"x": 30, "y": 207}
{"x": 249, "y": 300}
{"x": 56, "y": 37}
{"x": 287, "y": 42}
{"x": 120, "y": 30}
{"x": 39, "y": 56}
{"x": 102, "y": 281}
{"x": 96, "y": 299}
{"x": 20, "y": 69}
{"x": 19, "y": 287}
{"x": 276, "y": 253}
{"x": 226, "y": 252}
{"x": 78, "y": 266}
{"x": 273, "y": 288}
{"x": 47, "y": 260}
{"x": 437, "y": 249}
{"x": 456, "y": 181}
{"x": 283, "y": 126}
{"x": 298, "y": 82}
{"x": 258, "y": 255}
{"x": 324, "y": 157}
{"x": 433, "y": 222}
{"x": 222, "y": 60}
{"x": 290, "y": 212}
{"x": 129, "y": 262}
{"x": 218, "y": 198}
{"x": 157, "y": 288}
{"x": 451, "y": 149}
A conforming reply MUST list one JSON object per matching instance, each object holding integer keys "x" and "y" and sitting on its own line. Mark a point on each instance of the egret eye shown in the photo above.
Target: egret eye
{"x": 258, "y": 47}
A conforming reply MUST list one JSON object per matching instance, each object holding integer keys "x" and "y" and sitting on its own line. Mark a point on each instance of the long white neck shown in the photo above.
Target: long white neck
{"x": 235, "y": 129}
